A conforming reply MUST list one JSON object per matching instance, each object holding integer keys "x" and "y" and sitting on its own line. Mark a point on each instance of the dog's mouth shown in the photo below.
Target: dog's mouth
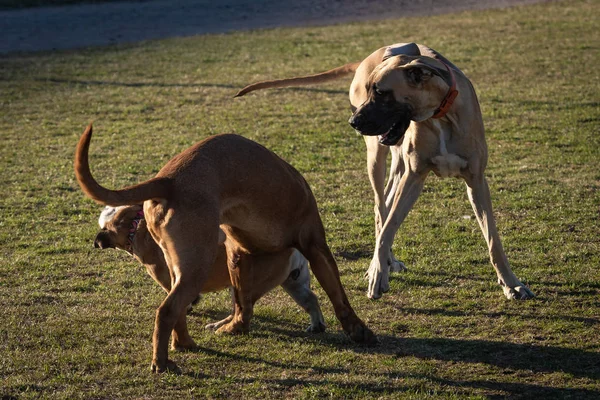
{"x": 388, "y": 123}
{"x": 392, "y": 136}
{"x": 395, "y": 133}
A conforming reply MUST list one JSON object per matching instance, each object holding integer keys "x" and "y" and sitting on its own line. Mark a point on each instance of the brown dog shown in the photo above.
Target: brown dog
{"x": 261, "y": 203}
{"x": 125, "y": 228}
{"x": 412, "y": 100}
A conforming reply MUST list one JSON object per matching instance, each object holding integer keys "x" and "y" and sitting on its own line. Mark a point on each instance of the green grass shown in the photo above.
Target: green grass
{"x": 77, "y": 322}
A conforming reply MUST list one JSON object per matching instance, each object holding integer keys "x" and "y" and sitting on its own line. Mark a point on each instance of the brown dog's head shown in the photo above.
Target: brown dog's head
{"x": 399, "y": 90}
{"x": 115, "y": 224}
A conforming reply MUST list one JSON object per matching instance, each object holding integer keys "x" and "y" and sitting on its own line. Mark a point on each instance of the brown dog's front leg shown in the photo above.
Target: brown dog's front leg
{"x": 181, "y": 339}
{"x": 240, "y": 267}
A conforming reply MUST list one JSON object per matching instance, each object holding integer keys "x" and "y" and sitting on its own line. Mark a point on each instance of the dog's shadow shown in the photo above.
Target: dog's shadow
{"x": 511, "y": 357}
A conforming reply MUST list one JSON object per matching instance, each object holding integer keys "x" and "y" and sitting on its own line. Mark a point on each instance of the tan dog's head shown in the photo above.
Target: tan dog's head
{"x": 400, "y": 89}
{"x": 115, "y": 224}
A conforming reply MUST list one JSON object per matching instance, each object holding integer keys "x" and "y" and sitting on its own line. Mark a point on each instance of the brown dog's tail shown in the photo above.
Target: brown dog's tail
{"x": 155, "y": 188}
{"x": 326, "y": 76}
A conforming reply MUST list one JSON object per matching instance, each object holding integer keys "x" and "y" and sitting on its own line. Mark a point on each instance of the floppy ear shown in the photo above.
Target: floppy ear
{"x": 399, "y": 49}
{"x": 421, "y": 70}
{"x": 103, "y": 241}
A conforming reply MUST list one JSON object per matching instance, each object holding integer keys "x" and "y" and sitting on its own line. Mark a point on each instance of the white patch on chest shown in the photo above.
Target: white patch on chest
{"x": 447, "y": 164}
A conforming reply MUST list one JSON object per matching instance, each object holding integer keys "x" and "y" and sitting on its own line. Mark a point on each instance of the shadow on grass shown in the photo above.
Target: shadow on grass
{"x": 589, "y": 321}
{"x": 509, "y": 356}
{"x": 172, "y": 85}
{"x": 512, "y": 356}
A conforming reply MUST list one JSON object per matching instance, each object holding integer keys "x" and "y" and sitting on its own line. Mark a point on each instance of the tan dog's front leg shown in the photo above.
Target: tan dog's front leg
{"x": 376, "y": 168}
{"x": 409, "y": 189}
{"x": 240, "y": 267}
{"x": 479, "y": 196}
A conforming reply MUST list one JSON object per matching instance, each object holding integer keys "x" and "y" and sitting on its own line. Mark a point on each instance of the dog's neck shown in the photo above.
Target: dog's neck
{"x": 144, "y": 248}
{"x": 447, "y": 101}
{"x": 133, "y": 230}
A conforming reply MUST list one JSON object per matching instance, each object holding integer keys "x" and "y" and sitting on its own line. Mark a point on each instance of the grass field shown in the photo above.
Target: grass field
{"x": 77, "y": 322}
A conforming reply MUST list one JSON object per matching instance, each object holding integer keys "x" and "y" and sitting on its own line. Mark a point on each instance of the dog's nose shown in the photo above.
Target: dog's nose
{"x": 355, "y": 121}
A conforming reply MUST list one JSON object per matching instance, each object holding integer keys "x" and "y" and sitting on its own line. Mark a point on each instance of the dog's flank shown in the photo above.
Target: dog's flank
{"x": 155, "y": 188}
{"x": 230, "y": 188}
{"x": 307, "y": 80}
{"x": 116, "y": 232}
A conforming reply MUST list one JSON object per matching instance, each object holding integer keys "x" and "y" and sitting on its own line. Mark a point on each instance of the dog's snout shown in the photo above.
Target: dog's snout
{"x": 355, "y": 121}
{"x": 102, "y": 241}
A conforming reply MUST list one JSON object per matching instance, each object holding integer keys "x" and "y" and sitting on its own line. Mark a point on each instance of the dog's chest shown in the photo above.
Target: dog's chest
{"x": 446, "y": 163}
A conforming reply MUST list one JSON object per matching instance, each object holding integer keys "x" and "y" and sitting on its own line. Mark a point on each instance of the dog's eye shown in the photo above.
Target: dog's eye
{"x": 380, "y": 92}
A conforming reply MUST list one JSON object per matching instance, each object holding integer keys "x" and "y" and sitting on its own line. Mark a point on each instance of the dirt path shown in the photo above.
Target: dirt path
{"x": 67, "y": 27}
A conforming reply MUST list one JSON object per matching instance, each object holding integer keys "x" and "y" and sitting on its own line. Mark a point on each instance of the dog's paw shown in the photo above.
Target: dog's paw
{"x": 181, "y": 347}
{"x": 169, "y": 366}
{"x": 216, "y": 325}
{"x": 361, "y": 334}
{"x": 397, "y": 266}
{"x": 317, "y": 328}
{"x": 378, "y": 280}
{"x": 521, "y": 292}
{"x": 232, "y": 328}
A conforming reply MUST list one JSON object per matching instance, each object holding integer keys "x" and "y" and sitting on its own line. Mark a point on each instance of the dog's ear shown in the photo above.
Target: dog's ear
{"x": 103, "y": 241}
{"x": 399, "y": 49}
{"x": 422, "y": 69}
{"x": 418, "y": 75}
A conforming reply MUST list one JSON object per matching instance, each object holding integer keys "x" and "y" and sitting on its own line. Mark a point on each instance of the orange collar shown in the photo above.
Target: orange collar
{"x": 447, "y": 102}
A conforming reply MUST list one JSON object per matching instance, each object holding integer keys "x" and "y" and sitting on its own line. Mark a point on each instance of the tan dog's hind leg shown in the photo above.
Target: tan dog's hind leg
{"x": 409, "y": 189}
{"x": 479, "y": 196}
{"x": 376, "y": 169}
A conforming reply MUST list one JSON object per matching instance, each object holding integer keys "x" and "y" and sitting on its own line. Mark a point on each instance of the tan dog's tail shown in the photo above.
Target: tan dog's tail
{"x": 326, "y": 76}
{"x": 155, "y": 188}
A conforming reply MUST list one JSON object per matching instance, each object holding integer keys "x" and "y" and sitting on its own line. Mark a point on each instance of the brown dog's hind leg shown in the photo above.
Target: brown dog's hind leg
{"x": 325, "y": 269}
{"x": 189, "y": 262}
{"x": 168, "y": 317}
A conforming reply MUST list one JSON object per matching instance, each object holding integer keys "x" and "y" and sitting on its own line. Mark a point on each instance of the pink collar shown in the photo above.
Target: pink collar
{"x": 447, "y": 102}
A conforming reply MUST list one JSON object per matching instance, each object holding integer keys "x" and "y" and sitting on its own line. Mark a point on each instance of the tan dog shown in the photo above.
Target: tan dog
{"x": 125, "y": 228}
{"x": 410, "y": 99}
{"x": 232, "y": 185}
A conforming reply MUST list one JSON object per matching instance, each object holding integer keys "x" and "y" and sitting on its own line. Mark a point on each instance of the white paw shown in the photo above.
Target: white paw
{"x": 378, "y": 279}
{"x": 397, "y": 265}
{"x": 518, "y": 292}
{"x": 212, "y": 327}
{"x": 216, "y": 325}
